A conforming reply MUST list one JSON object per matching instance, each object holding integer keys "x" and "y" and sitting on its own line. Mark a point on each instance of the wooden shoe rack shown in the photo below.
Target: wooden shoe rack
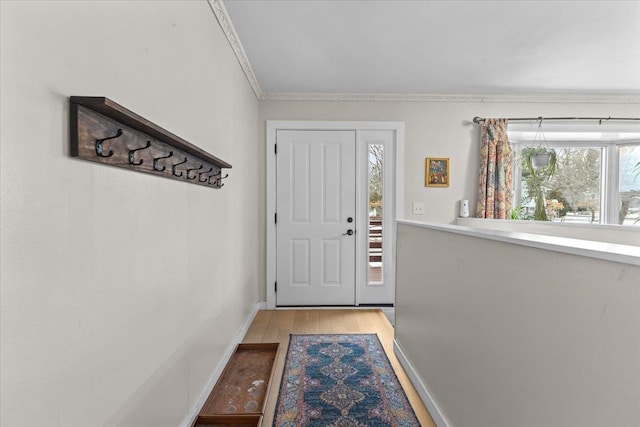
{"x": 239, "y": 397}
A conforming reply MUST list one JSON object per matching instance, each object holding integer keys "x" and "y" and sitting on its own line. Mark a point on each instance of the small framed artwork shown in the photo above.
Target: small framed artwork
{"x": 437, "y": 172}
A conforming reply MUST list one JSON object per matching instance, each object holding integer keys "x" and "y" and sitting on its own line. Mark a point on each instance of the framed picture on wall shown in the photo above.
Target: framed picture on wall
{"x": 437, "y": 172}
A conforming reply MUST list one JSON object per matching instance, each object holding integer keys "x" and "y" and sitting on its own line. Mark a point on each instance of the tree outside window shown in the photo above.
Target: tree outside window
{"x": 576, "y": 183}
{"x": 629, "y": 185}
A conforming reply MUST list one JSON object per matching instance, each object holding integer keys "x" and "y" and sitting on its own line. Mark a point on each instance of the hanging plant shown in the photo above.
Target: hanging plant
{"x": 541, "y": 159}
{"x": 537, "y": 177}
{"x": 538, "y": 164}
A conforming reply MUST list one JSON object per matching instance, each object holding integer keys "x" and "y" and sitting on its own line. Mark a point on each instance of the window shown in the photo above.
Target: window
{"x": 376, "y": 197}
{"x": 629, "y": 184}
{"x": 597, "y": 173}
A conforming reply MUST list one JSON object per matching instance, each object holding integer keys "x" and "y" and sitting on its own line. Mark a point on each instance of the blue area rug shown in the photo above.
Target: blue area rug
{"x": 340, "y": 381}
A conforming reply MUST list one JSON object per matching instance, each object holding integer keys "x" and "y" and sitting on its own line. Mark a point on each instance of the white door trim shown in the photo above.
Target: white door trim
{"x": 272, "y": 127}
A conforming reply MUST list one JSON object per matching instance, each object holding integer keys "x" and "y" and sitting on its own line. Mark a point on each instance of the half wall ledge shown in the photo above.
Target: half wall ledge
{"x": 625, "y": 254}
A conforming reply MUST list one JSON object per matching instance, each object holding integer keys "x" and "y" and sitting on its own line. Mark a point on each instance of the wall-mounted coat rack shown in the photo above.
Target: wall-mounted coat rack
{"x": 103, "y": 131}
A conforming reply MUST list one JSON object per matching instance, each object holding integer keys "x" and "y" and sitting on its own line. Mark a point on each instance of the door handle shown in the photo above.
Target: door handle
{"x": 348, "y": 233}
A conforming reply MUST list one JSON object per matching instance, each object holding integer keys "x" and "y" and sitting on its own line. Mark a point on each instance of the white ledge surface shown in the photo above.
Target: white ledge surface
{"x": 608, "y": 251}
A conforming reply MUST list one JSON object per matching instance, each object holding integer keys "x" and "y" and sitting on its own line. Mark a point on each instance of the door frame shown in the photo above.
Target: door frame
{"x": 272, "y": 126}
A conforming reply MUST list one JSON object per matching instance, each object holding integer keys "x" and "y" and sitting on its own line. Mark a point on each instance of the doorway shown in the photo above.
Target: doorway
{"x": 330, "y": 228}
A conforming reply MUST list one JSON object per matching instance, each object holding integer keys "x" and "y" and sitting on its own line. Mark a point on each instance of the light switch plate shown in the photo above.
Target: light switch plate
{"x": 418, "y": 208}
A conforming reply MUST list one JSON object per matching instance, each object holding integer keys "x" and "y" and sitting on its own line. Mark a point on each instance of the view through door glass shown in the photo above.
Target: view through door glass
{"x": 376, "y": 212}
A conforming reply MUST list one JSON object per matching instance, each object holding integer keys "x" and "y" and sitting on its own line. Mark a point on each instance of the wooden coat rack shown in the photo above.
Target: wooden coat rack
{"x": 105, "y": 132}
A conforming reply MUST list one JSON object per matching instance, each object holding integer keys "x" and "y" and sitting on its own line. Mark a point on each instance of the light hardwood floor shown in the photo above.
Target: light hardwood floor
{"x": 276, "y": 325}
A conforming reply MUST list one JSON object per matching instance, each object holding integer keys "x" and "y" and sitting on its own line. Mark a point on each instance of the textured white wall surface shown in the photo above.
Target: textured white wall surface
{"x": 507, "y": 335}
{"x": 120, "y": 291}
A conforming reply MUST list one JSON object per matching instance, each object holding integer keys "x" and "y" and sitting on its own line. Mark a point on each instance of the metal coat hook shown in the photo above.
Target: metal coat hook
{"x": 173, "y": 168}
{"x": 155, "y": 162}
{"x": 132, "y": 152}
{"x": 219, "y": 180}
{"x": 204, "y": 173}
{"x": 214, "y": 176}
{"x": 100, "y": 141}
{"x": 193, "y": 169}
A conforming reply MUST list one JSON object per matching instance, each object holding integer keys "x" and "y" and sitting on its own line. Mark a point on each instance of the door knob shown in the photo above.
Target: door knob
{"x": 349, "y": 219}
{"x": 348, "y": 233}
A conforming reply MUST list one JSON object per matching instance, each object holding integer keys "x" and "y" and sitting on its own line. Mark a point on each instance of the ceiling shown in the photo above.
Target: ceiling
{"x": 441, "y": 47}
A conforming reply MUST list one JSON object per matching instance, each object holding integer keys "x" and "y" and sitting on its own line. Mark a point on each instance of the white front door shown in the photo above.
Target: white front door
{"x": 316, "y": 217}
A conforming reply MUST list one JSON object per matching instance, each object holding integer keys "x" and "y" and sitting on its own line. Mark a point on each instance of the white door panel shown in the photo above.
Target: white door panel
{"x": 315, "y": 259}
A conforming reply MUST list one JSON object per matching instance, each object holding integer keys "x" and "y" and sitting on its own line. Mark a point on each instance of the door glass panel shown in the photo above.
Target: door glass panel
{"x": 629, "y": 185}
{"x": 376, "y": 212}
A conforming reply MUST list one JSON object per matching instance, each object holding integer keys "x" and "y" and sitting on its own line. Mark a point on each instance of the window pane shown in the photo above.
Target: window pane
{"x": 629, "y": 184}
{"x": 572, "y": 194}
{"x": 376, "y": 173}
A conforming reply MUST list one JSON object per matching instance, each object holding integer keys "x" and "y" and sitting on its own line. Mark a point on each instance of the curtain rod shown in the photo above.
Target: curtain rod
{"x": 478, "y": 120}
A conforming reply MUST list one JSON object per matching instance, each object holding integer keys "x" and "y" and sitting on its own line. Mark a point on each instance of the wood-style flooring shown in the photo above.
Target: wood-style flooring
{"x": 276, "y": 325}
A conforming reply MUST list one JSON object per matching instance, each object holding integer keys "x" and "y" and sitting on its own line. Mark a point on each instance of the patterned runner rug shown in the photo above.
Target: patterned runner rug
{"x": 340, "y": 381}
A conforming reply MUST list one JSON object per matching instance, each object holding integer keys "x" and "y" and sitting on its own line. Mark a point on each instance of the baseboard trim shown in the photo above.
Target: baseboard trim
{"x": 223, "y": 362}
{"x": 421, "y": 388}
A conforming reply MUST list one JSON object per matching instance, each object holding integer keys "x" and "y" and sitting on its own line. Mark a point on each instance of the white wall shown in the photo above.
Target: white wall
{"x": 433, "y": 129}
{"x": 507, "y": 335}
{"x": 120, "y": 290}
{"x": 436, "y": 129}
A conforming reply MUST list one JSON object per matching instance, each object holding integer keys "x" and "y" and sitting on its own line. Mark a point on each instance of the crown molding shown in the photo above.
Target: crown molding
{"x": 217, "y": 6}
{"x": 391, "y": 97}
